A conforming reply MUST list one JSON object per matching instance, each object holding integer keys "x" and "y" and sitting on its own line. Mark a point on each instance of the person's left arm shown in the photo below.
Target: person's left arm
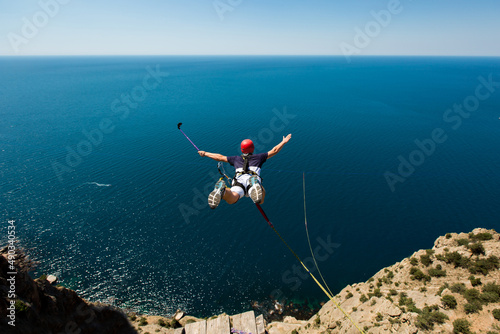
{"x": 278, "y": 147}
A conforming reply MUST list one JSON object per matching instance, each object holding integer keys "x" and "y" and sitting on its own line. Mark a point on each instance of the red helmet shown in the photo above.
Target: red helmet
{"x": 247, "y": 146}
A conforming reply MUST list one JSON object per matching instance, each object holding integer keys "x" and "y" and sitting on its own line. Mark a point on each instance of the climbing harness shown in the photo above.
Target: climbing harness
{"x": 243, "y": 171}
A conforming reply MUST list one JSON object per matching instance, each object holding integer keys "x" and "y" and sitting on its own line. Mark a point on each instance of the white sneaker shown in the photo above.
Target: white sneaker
{"x": 216, "y": 195}
{"x": 255, "y": 190}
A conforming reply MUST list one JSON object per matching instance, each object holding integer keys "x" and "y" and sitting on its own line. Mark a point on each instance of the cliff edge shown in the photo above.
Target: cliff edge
{"x": 451, "y": 288}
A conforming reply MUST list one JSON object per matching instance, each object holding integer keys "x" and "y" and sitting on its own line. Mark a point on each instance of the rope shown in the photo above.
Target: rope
{"x": 307, "y": 233}
{"x": 329, "y": 295}
{"x": 309, "y": 240}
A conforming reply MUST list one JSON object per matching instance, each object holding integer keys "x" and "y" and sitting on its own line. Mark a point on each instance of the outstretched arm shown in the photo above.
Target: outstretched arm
{"x": 215, "y": 156}
{"x": 278, "y": 147}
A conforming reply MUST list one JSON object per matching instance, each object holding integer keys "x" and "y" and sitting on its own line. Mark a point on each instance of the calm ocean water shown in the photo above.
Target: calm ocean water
{"x": 107, "y": 194}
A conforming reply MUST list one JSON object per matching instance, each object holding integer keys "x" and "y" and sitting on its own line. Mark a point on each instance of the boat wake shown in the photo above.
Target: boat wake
{"x": 99, "y": 184}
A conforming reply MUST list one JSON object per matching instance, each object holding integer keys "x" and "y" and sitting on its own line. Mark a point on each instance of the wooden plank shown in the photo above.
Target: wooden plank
{"x": 179, "y": 330}
{"x": 199, "y": 327}
{"x": 245, "y": 322}
{"x": 261, "y": 325}
{"x": 219, "y": 325}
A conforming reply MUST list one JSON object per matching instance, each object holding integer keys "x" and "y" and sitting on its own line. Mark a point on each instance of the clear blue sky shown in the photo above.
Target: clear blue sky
{"x": 298, "y": 27}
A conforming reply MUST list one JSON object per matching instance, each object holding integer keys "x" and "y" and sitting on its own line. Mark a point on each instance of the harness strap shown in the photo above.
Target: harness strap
{"x": 236, "y": 183}
{"x": 245, "y": 157}
{"x": 251, "y": 172}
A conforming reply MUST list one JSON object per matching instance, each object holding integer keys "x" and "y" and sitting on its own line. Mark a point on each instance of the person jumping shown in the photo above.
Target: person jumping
{"x": 247, "y": 181}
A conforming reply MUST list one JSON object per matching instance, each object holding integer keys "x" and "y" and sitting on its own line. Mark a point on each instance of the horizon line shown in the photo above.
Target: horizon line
{"x": 242, "y": 55}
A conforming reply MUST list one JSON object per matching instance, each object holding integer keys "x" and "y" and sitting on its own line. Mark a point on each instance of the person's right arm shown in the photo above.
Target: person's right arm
{"x": 215, "y": 156}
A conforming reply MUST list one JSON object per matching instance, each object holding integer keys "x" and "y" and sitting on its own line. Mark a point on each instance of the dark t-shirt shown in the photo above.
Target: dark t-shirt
{"x": 256, "y": 160}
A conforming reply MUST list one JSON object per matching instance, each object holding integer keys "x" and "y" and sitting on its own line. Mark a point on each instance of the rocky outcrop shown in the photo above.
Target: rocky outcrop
{"x": 458, "y": 279}
{"x": 38, "y": 307}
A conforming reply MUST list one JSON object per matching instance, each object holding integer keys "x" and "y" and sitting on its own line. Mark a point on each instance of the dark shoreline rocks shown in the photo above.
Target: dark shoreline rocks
{"x": 41, "y": 307}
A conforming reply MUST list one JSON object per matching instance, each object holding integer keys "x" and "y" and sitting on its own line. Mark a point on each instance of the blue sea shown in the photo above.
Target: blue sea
{"x": 109, "y": 195}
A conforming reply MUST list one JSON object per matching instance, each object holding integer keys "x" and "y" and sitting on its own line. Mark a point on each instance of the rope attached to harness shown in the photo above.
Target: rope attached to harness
{"x": 329, "y": 295}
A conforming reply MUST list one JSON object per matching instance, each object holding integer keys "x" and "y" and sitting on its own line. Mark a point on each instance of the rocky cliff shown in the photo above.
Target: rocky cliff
{"x": 452, "y": 288}
{"x": 38, "y": 307}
